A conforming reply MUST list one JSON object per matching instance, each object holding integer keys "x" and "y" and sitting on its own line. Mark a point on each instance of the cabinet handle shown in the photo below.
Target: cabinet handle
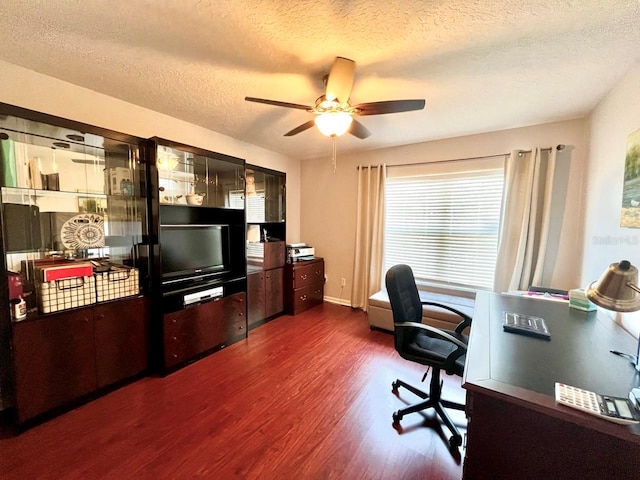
{"x": 241, "y": 314}
{"x": 174, "y": 339}
{"x": 173, "y": 355}
{"x": 317, "y": 292}
{"x": 303, "y": 277}
{"x": 174, "y": 321}
{"x": 303, "y": 298}
{"x": 240, "y": 327}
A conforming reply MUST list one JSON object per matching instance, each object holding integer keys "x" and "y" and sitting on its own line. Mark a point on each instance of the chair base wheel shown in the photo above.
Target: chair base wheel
{"x": 397, "y": 416}
{"x": 455, "y": 441}
{"x": 394, "y": 387}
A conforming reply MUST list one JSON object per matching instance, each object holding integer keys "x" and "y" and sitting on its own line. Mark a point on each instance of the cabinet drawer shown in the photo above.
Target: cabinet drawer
{"x": 308, "y": 275}
{"x": 307, "y": 297}
{"x": 192, "y": 331}
{"x": 234, "y": 311}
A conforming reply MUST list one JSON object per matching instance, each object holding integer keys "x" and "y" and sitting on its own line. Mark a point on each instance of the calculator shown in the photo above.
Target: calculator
{"x": 614, "y": 409}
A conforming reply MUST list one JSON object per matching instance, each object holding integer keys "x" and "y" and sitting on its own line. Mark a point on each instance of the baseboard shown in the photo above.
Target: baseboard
{"x": 337, "y": 301}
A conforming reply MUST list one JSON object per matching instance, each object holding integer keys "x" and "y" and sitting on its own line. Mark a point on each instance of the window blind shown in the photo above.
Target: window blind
{"x": 445, "y": 226}
{"x": 255, "y": 207}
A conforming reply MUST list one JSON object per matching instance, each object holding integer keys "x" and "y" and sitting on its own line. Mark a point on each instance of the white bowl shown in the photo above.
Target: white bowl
{"x": 195, "y": 199}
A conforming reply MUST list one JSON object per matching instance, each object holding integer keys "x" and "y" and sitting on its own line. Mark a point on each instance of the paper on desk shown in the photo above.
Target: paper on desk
{"x": 539, "y": 296}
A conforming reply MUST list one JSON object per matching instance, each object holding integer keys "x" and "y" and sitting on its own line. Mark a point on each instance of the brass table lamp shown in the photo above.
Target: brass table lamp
{"x": 618, "y": 290}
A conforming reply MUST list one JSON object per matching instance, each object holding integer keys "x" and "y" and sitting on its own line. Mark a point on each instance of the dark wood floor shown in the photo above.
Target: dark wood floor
{"x": 305, "y": 397}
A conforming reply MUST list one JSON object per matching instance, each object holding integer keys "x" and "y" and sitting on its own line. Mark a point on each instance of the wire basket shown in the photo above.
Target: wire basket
{"x": 117, "y": 283}
{"x": 65, "y": 293}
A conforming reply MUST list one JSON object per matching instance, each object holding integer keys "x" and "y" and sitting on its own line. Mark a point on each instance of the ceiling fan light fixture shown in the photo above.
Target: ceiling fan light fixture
{"x": 333, "y": 124}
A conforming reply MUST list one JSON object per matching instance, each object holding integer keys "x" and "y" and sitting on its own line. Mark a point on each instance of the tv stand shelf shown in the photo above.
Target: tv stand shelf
{"x": 202, "y": 328}
{"x": 198, "y": 247}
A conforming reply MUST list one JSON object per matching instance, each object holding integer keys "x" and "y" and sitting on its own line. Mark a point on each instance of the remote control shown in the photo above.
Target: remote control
{"x": 525, "y": 325}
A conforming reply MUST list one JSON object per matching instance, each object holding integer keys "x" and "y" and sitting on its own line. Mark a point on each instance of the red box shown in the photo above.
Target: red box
{"x": 61, "y": 272}
{"x": 15, "y": 285}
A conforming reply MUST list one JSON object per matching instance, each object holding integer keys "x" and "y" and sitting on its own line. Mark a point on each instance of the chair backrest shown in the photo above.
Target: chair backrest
{"x": 403, "y": 294}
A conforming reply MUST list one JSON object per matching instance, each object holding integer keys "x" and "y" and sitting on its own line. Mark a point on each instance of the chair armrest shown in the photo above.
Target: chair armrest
{"x": 466, "y": 319}
{"x": 450, "y": 361}
{"x": 436, "y": 331}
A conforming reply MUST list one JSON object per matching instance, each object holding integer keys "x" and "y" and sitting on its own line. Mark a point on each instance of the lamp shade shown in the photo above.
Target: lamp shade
{"x": 333, "y": 123}
{"x": 617, "y": 288}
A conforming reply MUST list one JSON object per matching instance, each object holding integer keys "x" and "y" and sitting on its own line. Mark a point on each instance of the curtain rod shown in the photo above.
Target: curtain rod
{"x": 558, "y": 147}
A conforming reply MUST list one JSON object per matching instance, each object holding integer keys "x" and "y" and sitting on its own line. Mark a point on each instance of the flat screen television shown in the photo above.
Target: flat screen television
{"x": 188, "y": 251}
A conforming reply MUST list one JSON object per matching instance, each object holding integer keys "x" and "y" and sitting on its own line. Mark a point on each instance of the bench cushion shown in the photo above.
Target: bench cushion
{"x": 380, "y": 315}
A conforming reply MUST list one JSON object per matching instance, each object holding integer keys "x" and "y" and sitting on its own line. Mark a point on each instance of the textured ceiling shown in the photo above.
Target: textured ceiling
{"x": 480, "y": 65}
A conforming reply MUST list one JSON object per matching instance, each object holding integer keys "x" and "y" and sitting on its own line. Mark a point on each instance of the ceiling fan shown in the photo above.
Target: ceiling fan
{"x": 333, "y": 112}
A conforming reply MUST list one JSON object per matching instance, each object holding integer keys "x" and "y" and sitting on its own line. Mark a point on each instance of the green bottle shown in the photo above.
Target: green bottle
{"x": 8, "y": 157}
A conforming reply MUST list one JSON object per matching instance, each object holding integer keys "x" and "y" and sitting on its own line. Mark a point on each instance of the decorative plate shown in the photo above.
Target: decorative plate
{"x": 83, "y": 231}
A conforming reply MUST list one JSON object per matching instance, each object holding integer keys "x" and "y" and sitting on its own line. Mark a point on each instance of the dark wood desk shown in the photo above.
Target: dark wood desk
{"x": 515, "y": 429}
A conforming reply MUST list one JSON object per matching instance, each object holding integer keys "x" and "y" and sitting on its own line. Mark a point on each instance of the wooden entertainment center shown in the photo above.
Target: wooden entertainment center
{"x": 106, "y": 274}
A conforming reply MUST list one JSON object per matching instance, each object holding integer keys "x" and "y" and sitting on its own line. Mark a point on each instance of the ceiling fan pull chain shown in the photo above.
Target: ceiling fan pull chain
{"x": 333, "y": 158}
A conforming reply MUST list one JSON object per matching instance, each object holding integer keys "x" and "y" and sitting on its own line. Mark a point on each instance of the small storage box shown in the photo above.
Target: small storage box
{"x": 117, "y": 283}
{"x": 65, "y": 293}
{"x": 118, "y": 180}
{"x": 66, "y": 271}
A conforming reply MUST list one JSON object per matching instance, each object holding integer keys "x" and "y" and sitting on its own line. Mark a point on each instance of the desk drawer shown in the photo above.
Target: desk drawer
{"x": 307, "y": 297}
{"x": 308, "y": 275}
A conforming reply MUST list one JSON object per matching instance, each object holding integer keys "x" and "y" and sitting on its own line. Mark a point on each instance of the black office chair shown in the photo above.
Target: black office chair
{"x": 436, "y": 348}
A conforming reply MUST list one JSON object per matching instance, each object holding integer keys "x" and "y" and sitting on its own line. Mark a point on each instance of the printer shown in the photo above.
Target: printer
{"x": 299, "y": 251}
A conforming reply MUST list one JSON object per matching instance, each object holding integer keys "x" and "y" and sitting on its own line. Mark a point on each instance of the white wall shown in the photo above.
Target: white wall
{"x": 605, "y": 242}
{"x": 329, "y": 200}
{"x": 610, "y": 123}
{"x": 29, "y": 89}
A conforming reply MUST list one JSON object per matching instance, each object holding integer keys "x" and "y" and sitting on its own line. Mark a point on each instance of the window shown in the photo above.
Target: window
{"x": 445, "y": 225}
{"x": 255, "y": 204}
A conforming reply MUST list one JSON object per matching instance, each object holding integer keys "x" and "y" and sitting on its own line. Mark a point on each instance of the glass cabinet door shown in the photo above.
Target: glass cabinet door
{"x": 265, "y": 196}
{"x": 187, "y": 178}
{"x": 69, "y": 198}
{"x": 266, "y": 200}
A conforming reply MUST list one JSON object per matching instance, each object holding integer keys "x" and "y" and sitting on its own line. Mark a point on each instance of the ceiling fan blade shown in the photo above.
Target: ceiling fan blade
{"x": 278, "y": 103}
{"x": 358, "y": 130}
{"x": 340, "y": 80}
{"x": 391, "y": 106}
{"x": 300, "y": 128}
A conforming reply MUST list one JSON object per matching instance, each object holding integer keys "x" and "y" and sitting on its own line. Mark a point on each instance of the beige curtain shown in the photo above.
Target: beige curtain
{"x": 526, "y": 208}
{"x": 367, "y": 267}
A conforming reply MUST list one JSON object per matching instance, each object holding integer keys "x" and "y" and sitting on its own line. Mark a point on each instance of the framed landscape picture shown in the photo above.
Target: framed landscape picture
{"x": 630, "y": 214}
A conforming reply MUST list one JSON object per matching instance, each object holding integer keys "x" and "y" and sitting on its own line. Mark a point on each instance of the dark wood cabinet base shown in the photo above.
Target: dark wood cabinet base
{"x": 304, "y": 285}
{"x": 265, "y": 285}
{"x": 63, "y": 357}
{"x": 199, "y": 329}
